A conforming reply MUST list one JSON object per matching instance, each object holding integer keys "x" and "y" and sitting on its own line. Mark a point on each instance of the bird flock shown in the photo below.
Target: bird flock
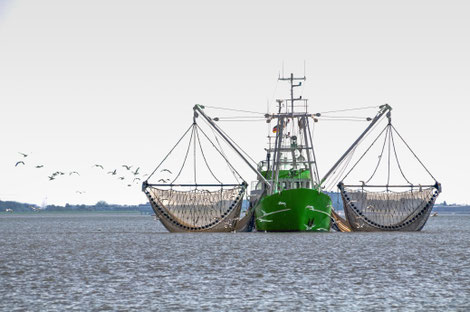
{"x": 125, "y": 173}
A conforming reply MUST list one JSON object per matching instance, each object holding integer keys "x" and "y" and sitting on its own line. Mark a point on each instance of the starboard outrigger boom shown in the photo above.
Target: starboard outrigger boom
{"x": 383, "y": 110}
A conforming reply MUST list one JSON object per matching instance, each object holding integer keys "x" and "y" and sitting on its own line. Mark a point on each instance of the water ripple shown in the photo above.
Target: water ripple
{"x": 115, "y": 262}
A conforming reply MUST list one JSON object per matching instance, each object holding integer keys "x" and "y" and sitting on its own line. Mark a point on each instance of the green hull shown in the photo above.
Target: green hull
{"x": 294, "y": 210}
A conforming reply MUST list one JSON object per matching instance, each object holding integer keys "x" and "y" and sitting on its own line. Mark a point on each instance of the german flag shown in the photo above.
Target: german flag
{"x": 275, "y": 129}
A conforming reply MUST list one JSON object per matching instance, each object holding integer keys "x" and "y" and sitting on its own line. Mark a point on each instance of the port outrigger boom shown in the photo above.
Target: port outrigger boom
{"x": 198, "y": 109}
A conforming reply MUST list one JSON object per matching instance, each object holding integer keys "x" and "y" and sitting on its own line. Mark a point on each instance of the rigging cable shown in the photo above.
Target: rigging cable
{"x": 310, "y": 134}
{"x": 169, "y": 152}
{"x": 381, "y": 154}
{"x": 414, "y": 153}
{"x": 204, "y": 157}
{"x": 222, "y": 154}
{"x": 234, "y": 143}
{"x": 342, "y": 119}
{"x": 233, "y": 109}
{"x": 344, "y": 165}
{"x": 238, "y": 120}
{"x": 242, "y": 117}
{"x": 186, "y": 156}
{"x": 194, "y": 153}
{"x": 389, "y": 156}
{"x": 380, "y": 134}
{"x": 349, "y": 109}
{"x": 362, "y": 140}
{"x": 398, "y": 162}
{"x": 336, "y": 117}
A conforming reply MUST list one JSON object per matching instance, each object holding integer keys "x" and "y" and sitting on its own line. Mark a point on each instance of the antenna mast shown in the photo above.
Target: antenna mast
{"x": 291, "y": 79}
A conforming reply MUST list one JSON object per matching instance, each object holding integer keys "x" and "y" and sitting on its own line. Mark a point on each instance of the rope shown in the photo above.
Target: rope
{"x": 204, "y": 157}
{"x": 223, "y": 153}
{"x": 398, "y": 162}
{"x": 169, "y": 153}
{"x": 362, "y": 140}
{"x": 414, "y": 154}
{"x": 242, "y": 117}
{"x": 349, "y": 109}
{"x": 335, "y": 117}
{"x": 380, "y": 156}
{"x": 335, "y": 178}
{"x": 233, "y": 142}
{"x": 186, "y": 156}
{"x": 234, "y": 110}
{"x": 389, "y": 156}
{"x": 242, "y": 120}
{"x": 310, "y": 135}
{"x": 219, "y": 152}
{"x": 365, "y": 153}
{"x": 341, "y": 119}
{"x": 194, "y": 153}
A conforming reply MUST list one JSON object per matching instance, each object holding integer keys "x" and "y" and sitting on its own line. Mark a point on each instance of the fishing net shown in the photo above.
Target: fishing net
{"x": 197, "y": 210}
{"x": 196, "y": 207}
{"x": 387, "y": 206}
{"x": 368, "y": 211}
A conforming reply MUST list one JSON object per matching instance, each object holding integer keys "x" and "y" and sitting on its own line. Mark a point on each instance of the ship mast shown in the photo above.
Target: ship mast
{"x": 291, "y": 79}
{"x": 280, "y": 149}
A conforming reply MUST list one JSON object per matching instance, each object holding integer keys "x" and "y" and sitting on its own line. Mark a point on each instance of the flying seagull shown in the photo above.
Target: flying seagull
{"x": 121, "y": 178}
{"x": 136, "y": 172}
{"x": 127, "y": 167}
{"x": 112, "y": 172}
{"x": 99, "y": 166}
{"x": 70, "y": 173}
{"x": 136, "y": 179}
{"x": 167, "y": 171}
{"x": 309, "y": 228}
{"x": 164, "y": 180}
{"x": 19, "y": 162}
{"x": 51, "y": 178}
{"x": 39, "y": 166}
{"x": 24, "y": 155}
{"x": 309, "y": 207}
{"x": 80, "y": 192}
{"x": 359, "y": 226}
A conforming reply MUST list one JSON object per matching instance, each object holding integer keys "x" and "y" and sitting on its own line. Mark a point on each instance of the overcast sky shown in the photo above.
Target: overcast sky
{"x": 114, "y": 82}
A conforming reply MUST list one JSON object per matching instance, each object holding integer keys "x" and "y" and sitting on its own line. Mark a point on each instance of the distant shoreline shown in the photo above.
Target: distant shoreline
{"x": 42, "y": 212}
{"x": 101, "y": 206}
{"x": 7, "y": 207}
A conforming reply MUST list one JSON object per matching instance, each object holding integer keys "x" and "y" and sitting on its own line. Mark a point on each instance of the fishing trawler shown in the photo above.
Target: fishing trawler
{"x": 290, "y": 198}
{"x": 288, "y": 193}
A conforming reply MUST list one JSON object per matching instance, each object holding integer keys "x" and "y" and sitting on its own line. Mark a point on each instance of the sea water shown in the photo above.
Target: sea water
{"x": 128, "y": 262}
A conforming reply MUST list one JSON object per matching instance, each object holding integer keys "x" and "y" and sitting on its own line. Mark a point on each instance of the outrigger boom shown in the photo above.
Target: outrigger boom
{"x": 199, "y": 109}
{"x": 383, "y": 110}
